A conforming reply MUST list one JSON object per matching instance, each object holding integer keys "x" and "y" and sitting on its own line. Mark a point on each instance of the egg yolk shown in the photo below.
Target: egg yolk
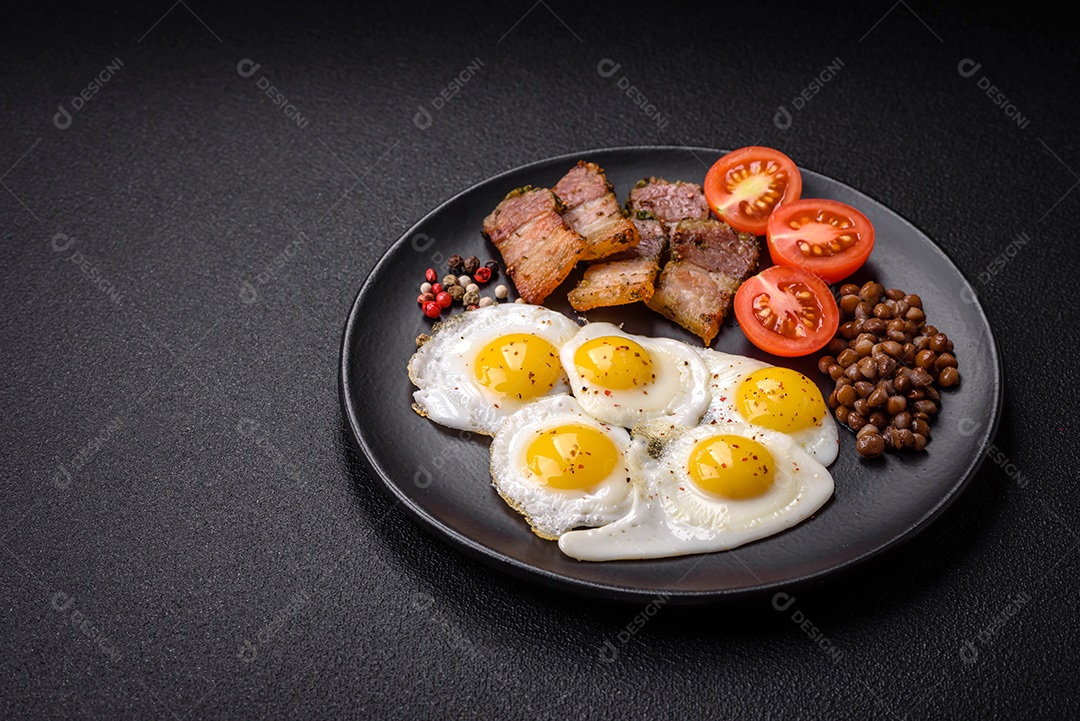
{"x": 518, "y": 365}
{"x": 780, "y": 399}
{"x": 614, "y": 362}
{"x": 731, "y": 467}
{"x": 571, "y": 457}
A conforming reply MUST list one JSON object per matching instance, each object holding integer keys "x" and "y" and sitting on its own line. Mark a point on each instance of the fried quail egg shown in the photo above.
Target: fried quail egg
{"x": 560, "y": 468}
{"x": 744, "y": 390}
{"x": 480, "y": 367}
{"x": 706, "y": 489}
{"x": 624, "y": 379}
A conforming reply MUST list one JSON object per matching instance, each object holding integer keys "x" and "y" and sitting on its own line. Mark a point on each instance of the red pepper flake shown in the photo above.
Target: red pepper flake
{"x": 607, "y": 393}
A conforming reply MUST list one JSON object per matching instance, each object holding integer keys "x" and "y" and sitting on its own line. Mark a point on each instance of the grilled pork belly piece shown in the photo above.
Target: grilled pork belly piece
{"x": 716, "y": 247}
{"x": 709, "y": 260}
{"x": 593, "y": 211}
{"x": 626, "y": 277}
{"x": 668, "y": 202}
{"x": 539, "y": 250}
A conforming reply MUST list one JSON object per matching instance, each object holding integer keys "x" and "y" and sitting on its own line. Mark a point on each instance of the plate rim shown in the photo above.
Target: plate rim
{"x": 520, "y": 569}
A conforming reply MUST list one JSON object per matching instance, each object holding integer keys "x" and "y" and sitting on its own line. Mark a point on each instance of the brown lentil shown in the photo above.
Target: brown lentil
{"x": 837, "y": 346}
{"x": 870, "y": 445}
{"x": 868, "y": 428}
{"x": 949, "y": 377}
{"x": 927, "y": 407}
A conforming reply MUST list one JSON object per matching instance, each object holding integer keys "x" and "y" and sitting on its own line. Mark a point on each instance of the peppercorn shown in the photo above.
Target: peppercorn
{"x": 472, "y": 307}
{"x": 455, "y": 263}
{"x": 486, "y": 301}
{"x": 464, "y": 280}
{"x": 444, "y": 299}
{"x": 430, "y": 275}
{"x": 436, "y": 288}
{"x": 449, "y": 280}
{"x": 472, "y": 288}
{"x": 482, "y": 275}
{"x": 456, "y": 292}
{"x": 520, "y": 300}
{"x": 432, "y": 309}
{"x": 471, "y": 264}
{"x": 425, "y": 298}
{"x": 425, "y": 287}
{"x": 493, "y": 266}
{"x": 501, "y": 291}
{"x": 471, "y": 297}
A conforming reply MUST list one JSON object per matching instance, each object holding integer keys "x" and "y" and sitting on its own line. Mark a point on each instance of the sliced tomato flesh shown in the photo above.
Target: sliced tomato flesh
{"x": 744, "y": 187}
{"x": 786, "y": 311}
{"x": 829, "y": 238}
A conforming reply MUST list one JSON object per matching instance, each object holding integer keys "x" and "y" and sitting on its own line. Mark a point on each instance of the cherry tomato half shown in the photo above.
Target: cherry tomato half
{"x": 828, "y": 238}
{"x": 787, "y": 311}
{"x": 745, "y": 186}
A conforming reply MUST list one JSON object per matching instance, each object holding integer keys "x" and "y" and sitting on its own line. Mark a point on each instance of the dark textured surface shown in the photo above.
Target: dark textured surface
{"x": 218, "y": 538}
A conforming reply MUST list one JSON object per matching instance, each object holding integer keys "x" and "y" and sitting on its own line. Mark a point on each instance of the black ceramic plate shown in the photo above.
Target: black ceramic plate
{"x": 441, "y": 476}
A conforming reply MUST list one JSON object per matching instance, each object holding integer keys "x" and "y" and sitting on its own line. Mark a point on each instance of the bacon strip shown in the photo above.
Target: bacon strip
{"x": 709, "y": 260}
{"x": 594, "y": 212}
{"x": 626, "y": 277}
{"x": 537, "y": 247}
{"x": 668, "y": 202}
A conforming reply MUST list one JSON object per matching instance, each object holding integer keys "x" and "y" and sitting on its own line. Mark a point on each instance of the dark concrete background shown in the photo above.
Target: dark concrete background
{"x": 185, "y": 532}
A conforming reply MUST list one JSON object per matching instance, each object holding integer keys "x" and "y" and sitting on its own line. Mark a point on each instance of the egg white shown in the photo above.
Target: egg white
{"x": 672, "y": 517}
{"x": 551, "y": 511}
{"x": 443, "y": 369}
{"x": 679, "y": 392}
{"x": 727, "y": 371}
